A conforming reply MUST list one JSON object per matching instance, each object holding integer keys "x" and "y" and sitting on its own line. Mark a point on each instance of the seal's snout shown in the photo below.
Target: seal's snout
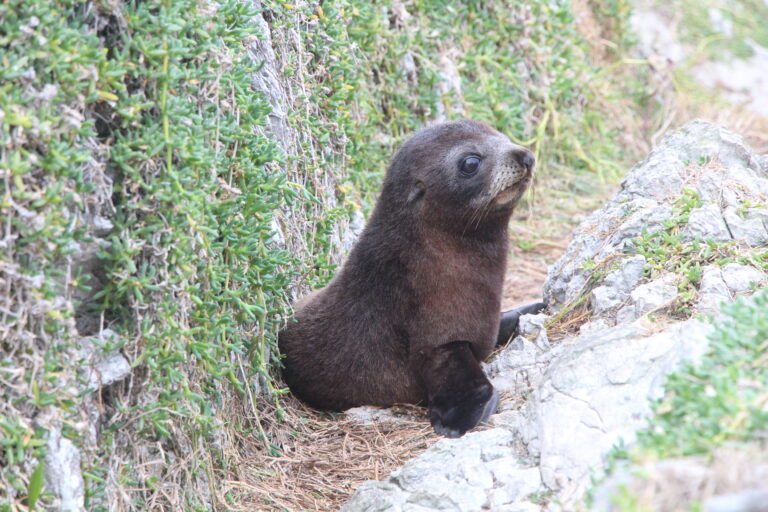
{"x": 524, "y": 158}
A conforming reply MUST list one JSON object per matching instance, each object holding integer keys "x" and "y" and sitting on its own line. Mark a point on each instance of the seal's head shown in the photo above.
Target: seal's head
{"x": 458, "y": 173}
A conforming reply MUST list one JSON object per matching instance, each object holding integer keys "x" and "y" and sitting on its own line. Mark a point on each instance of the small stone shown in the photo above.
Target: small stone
{"x": 48, "y": 92}
{"x": 112, "y": 369}
{"x": 102, "y": 226}
{"x": 532, "y": 328}
{"x": 98, "y": 368}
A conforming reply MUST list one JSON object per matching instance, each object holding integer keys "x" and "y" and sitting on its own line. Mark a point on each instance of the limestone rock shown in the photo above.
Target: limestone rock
{"x": 712, "y": 290}
{"x": 754, "y": 500}
{"x": 706, "y": 223}
{"x": 704, "y": 159}
{"x": 742, "y": 278}
{"x": 748, "y": 224}
{"x": 532, "y": 328}
{"x": 99, "y": 368}
{"x": 654, "y": 295}
{"x": 478, "y": 471}
{"x": 591, "y": 391}
{"x": 62, "y": 472}
{"x": 732, "y": 479}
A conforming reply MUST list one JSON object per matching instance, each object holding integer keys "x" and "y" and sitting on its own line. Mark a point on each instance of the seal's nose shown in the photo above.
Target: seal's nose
{"x": 524, "y": 158}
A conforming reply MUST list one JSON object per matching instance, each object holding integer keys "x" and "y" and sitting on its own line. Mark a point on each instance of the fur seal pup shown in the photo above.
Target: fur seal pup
{"x": 416, "y": 305}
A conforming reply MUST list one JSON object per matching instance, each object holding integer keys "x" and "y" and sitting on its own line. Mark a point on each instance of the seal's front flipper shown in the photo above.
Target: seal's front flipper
{"x": 510, "y": 320}
{"x": 460, "y": 395}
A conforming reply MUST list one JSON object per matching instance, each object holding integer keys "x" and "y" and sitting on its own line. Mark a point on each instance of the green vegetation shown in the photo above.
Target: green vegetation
{"x": 723, "y": 398}
{"x": 723, "y": 29}
{"x": 524, "y": 70}
{"x": 153, "y": 99}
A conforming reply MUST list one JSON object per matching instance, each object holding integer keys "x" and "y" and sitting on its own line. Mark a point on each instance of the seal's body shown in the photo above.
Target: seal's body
{"x": 416, "y": 306}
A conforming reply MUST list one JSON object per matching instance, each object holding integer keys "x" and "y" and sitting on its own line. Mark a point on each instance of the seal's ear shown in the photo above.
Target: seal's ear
{"x": 417, "y": 191}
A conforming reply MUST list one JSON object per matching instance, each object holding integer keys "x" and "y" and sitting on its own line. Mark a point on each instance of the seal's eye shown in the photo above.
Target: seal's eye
{"x": 469, "y": 165}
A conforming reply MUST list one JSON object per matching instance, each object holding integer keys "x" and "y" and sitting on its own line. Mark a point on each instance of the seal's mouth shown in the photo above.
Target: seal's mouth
{"x": 514, "y": 190}
{"x": 508, "y": 195}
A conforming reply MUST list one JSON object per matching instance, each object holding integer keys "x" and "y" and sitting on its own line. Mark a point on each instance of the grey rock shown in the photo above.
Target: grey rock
{"x": 645, "y": 299}
{"x": 516, "y": 368}
{"x": 277, "y": 233}
{"x": 656, "y": 35}
{"x": 520, "y": 506}
{"x": 706, "y": 223}
{"x": 654, "y": 295}
{"x": 519, "y": 483}
{"x": 750, "y": 226}
{"x": 684, "y": 475}
{"x": 593, "y": 392}
{"x": 62, "y": 472}
{"x": 519, "y": 353}
{"x": 532, "y": 328}
{"x": 267, "y": 80}
{"x": 645, "y": 202}
{"x": 755, "y": 500}
{"x": 409, "y": 66}
{"x": 712, "y": 290}
{"x": 720, "y": 23}
{"x": 626, "y": 314}
{"x": 465, "y": 474}
{"x": 763, "y": 162}
{"x": 355, "y": 229}
{"x": 594, "y": 325}
{"x": 741, "y": 81}
{"x": 742, "y": 278}
{"x": 102, "y": 226}
{"x": 101, "y": 369}
{"x": 646, "y": 216}
{"x": 605, "y": 299}
{"x": 730, "y": 479}
{"x": 628, "y": 275}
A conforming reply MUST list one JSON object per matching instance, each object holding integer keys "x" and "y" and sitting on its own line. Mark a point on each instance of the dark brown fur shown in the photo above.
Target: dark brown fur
{"x": 416, "y": 305}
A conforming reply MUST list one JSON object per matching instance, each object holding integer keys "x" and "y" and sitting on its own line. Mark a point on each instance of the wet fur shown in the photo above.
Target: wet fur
{"x": 416, "y": 305}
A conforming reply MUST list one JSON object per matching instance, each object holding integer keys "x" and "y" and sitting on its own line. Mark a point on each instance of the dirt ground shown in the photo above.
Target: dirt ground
{"x": 527, "y": 268}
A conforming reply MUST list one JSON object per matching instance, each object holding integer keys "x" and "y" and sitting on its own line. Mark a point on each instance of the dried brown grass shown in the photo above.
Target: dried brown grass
{"x": 318, "y": 459}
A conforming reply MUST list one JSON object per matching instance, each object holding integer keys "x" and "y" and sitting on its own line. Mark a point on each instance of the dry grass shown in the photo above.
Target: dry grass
{"x": 321, "y": 458}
